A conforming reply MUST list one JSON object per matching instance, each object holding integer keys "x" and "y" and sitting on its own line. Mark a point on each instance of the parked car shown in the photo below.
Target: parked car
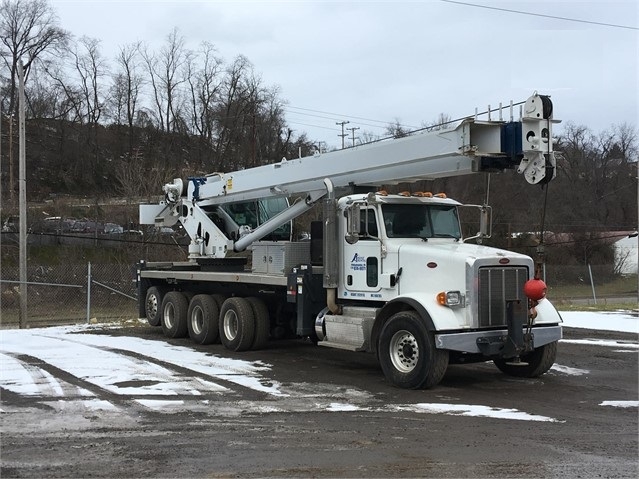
{"x": 113, "y": 229}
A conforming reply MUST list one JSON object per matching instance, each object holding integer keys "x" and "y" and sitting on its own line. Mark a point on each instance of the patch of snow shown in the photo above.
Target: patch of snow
{"x": 340, "y": 407}
{"x": 99, "y": 405}
{"x": 568, "y": 370}
{"x": 160, "y": 404}
{"x": 620, "y": 403}
{"x": 96, "y": 359}
{"x": 606, "y": 321}
{"x": 602, "y": 342}
{"x": 474, "y": 410}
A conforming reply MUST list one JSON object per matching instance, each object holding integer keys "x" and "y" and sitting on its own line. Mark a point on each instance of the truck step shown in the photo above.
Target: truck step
{"x": 347, "y": 347}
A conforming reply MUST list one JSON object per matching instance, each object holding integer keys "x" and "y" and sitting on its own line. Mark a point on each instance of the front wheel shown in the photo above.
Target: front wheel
{"x": 407, "y": 353}
{"x": 535, "y": 363}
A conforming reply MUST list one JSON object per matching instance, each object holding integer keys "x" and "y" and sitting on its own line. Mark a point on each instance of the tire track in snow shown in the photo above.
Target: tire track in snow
{"x": 32, "y": 363}
{"x": 153, "y": 383}
{"x": 233, "y": 372}
{"x": 232, "y": 387}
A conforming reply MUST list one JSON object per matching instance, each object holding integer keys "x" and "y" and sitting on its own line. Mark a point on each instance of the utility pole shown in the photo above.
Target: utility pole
{"x": 343, "y": 135}
{"x": 22, "y": 180}
{"x": 353, "y": 132}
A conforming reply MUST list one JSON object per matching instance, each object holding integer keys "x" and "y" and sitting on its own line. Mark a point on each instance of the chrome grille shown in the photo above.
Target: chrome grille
{"x": 496, "y": 286}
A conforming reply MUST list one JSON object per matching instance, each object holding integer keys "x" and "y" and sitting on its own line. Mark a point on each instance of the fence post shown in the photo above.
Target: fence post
{"x": 592, "y": 284}
{"x": 89, "y": 293}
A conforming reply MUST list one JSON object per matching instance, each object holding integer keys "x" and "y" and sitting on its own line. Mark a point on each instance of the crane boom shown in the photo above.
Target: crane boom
{"x": 473, "y": 146}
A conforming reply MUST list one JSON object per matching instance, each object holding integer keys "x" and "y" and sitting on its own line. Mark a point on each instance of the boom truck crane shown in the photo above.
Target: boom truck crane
{"x": 388, "y": 274}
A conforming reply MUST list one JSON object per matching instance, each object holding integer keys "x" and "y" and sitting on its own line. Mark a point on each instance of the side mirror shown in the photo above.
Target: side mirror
{"x": 485, "y": 223}
{"x": 352, "y": 223}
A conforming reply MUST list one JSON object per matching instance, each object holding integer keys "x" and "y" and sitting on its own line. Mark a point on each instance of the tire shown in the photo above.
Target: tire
{"x": 203, "y": 319}
{"x": 153, "y": 305}
{"x": 539, "y": 361}
{"x": 175, "y": 308}
{"x": 262, "y": 323}
{"x": 219, "y": 300}
{"x": 407, "y": 353}
{"x": 237, "y": 324}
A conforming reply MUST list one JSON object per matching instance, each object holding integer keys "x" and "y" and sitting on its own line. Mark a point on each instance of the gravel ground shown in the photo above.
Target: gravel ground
{"x": 335, "y": 416}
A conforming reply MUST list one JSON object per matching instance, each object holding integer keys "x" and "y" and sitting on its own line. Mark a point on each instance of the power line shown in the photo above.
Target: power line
{"x": 541, "y": 15}
{"x": 340, "y": 115}
{"x": 336, "y": 116}
{"x": 312, "y": 126}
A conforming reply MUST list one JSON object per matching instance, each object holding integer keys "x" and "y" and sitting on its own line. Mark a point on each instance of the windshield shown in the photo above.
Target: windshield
{"x": 421, "y": 221}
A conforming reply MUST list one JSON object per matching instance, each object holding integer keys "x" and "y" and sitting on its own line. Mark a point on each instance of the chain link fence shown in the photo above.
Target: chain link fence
{"x": 69, "y": 294}
{"x": 103, "y": 292}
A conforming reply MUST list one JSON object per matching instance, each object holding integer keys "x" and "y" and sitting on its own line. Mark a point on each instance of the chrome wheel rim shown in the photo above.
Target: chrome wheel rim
{"x": 197, "y": 320}
{"x": 230, "y": 325}
{"x": 169, "y": 315}
{"x": 152, "y": 305}
{"x": 404, "y": 351}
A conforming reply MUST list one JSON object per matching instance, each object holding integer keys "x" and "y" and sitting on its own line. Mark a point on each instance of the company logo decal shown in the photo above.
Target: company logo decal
{"x": 358, "y": 263}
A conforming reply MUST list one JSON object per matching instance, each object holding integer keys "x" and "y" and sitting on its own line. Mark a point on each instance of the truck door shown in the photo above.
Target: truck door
{"x": 362, "y": 260}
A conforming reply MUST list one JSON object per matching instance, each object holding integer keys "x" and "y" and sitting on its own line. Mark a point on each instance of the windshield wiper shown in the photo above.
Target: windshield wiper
{"x": 445, "y": 235}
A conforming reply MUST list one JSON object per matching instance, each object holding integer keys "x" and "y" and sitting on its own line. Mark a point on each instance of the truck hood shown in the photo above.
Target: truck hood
{"x": 464, "y": 251}
{"x": 443, "y": 265}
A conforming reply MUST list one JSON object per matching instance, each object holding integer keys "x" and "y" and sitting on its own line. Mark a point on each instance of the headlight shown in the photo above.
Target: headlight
{"x": 452, "y": 299}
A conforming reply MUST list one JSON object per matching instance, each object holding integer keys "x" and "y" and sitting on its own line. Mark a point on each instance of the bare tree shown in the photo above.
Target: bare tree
{"x": 136, "y": 181}
{"x": 28, "y": 31}
{"x": 367, "y": 136}
{"x": 204, "y": 88}
{"x": 396, "y": 129}
{"x": 234, "y": 114}
{"x": 126, "y": 88}
{"x": 91, "y": 69}
{"x": 166, "y": 71}
{"x": 442, "y": 122}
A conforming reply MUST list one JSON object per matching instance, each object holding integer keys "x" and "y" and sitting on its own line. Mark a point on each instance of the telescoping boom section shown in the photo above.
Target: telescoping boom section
{"x": 471, "y": 147}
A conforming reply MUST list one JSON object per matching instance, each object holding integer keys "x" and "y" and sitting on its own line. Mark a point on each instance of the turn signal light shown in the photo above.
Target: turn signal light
{"x": 451, "y": 299}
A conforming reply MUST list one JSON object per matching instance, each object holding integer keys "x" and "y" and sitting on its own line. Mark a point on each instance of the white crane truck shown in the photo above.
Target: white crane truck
{"x": 388, "y": 274}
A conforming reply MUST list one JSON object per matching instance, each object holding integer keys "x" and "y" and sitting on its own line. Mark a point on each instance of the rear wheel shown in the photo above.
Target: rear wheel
{"x": 153, "y": 305}
{"x": 237, "y": 324}
{"x": 407, "y": 352}
{"x": 175, "y": 308}
{"x": 537, "y": 362}
{"x": 262, "y": 323}
{"x": 219, "y": 300}
{"x": 203, "y": 319}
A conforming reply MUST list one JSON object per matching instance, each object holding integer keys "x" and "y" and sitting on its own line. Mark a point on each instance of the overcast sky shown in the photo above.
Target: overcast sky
{"x": 372, "y": 62}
